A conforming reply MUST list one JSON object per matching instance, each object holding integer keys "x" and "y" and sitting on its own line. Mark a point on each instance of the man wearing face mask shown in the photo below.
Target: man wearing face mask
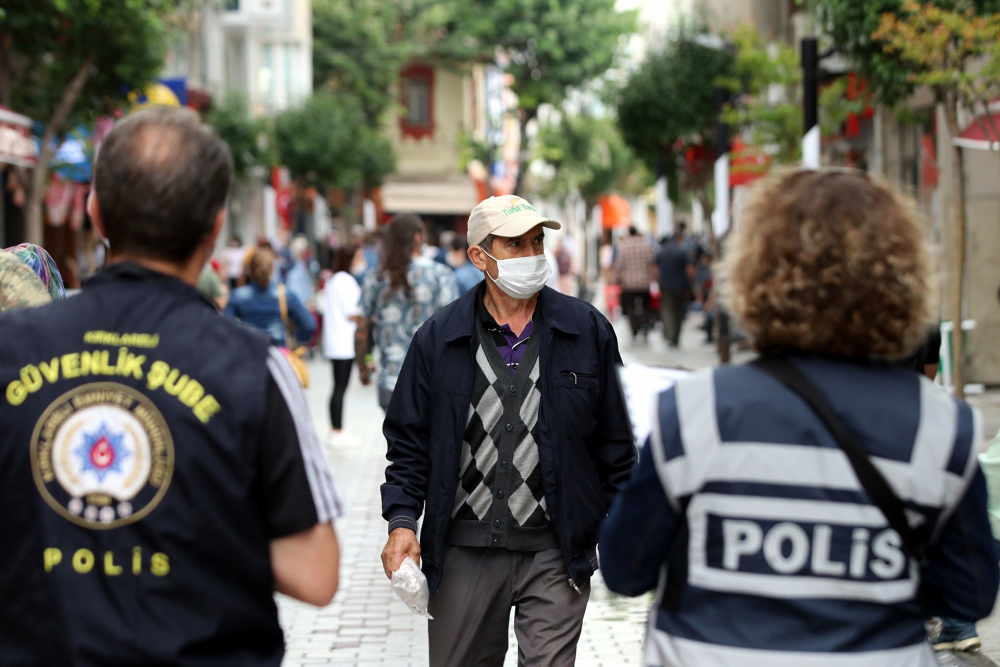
{"x": 507, "y": 430}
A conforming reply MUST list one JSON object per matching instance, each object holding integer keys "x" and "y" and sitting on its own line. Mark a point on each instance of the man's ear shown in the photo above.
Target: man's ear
{"x": 218, "y": 226}
{"x": 478, "y": 257}
{"x": 94, "y": 211}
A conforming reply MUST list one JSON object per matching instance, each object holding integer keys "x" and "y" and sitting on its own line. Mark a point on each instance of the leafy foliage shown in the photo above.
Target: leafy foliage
{"x": 942, "y": 45}
{"x": 359, "y": 46}
{"x": 247, "y": 137}
{"x": 766, "y": 80}
{"x": 65, "y": 62}
{"x": 586, "y": 154}
{"x": 326, "y": 143}
{"x": 670, "y": 98}
{"x": 851, "y": 25}
{"x": 552, "y": 45}
{"x": 122, "y": 44}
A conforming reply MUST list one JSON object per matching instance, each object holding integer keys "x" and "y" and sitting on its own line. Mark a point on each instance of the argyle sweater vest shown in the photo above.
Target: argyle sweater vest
{"x": 500, "y": 501}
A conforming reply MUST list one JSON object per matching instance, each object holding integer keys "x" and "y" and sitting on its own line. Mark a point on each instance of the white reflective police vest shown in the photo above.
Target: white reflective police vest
{"x": 788, "y": 563}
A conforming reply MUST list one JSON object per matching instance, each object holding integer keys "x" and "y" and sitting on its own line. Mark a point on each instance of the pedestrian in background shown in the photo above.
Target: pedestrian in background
{"x": 508, "y": 432}
{"x": 467, "y": 276}
{"x": 405, "y": 290}
{"x": 341, "y": 296}
{"x": 675, "y": 275}
{"x": 634, "y": 269}
{"x": 298, "y": 277}
{"x": 705, "y": 291}
{"x": 178, "y": 479}
{"x": 234, "y": 257}
{"x": 763, "y": 519}
{"x": 258, "y": 303}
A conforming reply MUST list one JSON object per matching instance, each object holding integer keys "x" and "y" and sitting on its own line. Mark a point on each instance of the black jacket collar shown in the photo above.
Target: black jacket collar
{"x": 136, "y": 273}
{"x": 553, "y": 312}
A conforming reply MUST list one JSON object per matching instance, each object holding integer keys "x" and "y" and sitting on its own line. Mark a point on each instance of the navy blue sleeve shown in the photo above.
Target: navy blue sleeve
{"x": 613, "y": 450}
{"x": 638, "y": 532}
{"x": 302, "y": 319}
{"x": 406, "y": 429}
{"x": 961, "y": 577}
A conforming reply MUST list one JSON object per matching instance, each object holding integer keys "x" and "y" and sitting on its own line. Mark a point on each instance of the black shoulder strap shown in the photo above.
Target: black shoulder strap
{"x": 872, "y": 481}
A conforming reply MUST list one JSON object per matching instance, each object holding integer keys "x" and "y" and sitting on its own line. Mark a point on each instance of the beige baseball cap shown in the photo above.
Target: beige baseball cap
{"x": 507, "y": 215}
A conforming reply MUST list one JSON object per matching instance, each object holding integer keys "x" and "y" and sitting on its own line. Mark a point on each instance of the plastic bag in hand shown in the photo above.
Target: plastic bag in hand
{"x": 410, "y": 585}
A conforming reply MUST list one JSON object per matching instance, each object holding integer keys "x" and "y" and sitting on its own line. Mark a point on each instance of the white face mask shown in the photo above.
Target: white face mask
{"x": 521, "y": 277}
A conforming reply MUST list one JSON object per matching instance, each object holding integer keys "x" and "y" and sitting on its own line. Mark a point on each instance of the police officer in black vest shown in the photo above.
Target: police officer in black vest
{"x": 160, "y": 476}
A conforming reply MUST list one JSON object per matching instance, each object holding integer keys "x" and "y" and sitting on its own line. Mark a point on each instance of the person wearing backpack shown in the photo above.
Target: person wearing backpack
{"x": 815, "y": 506}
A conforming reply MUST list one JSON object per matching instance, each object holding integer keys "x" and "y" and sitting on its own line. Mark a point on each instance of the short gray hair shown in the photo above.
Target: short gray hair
{"x": 487, "y": 243}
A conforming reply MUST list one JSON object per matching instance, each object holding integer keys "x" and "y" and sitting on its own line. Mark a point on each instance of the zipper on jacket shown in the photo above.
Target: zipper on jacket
{"x": 575, "y": 587}
{"x": 577, "y": 376}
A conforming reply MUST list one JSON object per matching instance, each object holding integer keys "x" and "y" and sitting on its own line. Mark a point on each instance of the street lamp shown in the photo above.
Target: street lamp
{"x": 810, "y": 104}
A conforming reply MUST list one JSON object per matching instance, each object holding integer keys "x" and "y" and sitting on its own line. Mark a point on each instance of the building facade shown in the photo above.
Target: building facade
{"x": 454, "y": 142}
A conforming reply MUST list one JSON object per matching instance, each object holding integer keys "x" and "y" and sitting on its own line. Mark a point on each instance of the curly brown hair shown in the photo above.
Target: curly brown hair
{"x": 830, "y": 262}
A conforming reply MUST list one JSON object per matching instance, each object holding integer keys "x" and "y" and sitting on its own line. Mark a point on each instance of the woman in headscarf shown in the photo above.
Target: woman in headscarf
{"x": 28, "y": 277}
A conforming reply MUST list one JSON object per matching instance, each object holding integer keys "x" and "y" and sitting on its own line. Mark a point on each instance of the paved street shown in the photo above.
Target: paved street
{"x": 366, "y": 625}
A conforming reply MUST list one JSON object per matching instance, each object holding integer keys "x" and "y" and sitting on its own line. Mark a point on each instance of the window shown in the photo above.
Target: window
{"x": 417, "y": 100}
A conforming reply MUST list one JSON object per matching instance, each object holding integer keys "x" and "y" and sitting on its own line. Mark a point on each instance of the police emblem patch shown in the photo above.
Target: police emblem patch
{"x": 102, "y": 455}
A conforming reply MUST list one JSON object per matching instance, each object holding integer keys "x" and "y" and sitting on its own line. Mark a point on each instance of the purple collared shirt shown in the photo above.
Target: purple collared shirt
{"x": 512, "y": 350}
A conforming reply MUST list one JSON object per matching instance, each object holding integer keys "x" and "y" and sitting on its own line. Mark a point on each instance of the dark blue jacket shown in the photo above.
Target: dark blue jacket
{"x": 584, "y": 438}
{"x": 261, "y": 309}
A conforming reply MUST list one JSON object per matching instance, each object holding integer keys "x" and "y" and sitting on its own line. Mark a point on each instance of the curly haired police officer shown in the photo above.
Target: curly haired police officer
{"x": 160, "y": 476}
{"x": 773, "y": 538}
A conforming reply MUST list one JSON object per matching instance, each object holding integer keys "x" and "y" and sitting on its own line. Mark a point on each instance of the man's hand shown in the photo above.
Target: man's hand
{"x": 402, "y": 543}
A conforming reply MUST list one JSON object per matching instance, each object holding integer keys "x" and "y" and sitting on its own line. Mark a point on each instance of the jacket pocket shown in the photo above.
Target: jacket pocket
{"x": 581, "y": 379}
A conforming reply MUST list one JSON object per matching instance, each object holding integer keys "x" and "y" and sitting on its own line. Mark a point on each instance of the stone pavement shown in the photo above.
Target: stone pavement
{"x": 367, "y": 625}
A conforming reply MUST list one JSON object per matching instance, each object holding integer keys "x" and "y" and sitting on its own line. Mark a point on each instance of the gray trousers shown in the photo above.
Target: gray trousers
{"x": 471, "y": 609}
{"x": 673, "y": 308}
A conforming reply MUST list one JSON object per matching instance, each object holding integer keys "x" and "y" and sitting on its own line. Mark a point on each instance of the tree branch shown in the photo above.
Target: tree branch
{"x": 35, "y": 228}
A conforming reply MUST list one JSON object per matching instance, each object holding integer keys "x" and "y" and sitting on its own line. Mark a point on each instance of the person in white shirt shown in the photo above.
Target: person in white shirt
{"x": 341, "y": 295}
{"x": 234, "y": 255}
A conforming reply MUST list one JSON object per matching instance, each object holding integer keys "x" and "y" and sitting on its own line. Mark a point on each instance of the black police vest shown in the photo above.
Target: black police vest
{"x": 129, "y": 531}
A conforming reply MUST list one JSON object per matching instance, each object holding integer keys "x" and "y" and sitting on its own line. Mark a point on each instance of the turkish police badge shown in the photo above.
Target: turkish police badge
{"x": 102, "y": 455}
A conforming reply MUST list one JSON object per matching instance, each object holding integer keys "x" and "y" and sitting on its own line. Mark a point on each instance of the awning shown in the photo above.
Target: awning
{"x": 443, "y": 196}
{"x": 983, "y": 133}
{"x": 16, "y": 145}
{"x": 615, "y": 211}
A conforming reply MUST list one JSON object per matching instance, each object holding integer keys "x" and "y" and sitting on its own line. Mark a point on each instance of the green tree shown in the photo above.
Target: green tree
{"x": 359, "y": 46}
{"x": 551, "y": 46}
{"x": 765, "y": 82}
{"x": 247, "y": 137}
{"x": 586, "y": 154}
{"x": 326, "y": 142}
{"x": 65, "y": 62}
{"x": 956, "y": 54}
{"x": 669, "y": 103}
{"x": 850, "y": 24}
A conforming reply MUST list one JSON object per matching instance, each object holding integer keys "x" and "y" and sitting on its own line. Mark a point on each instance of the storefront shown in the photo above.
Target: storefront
{"x": 17, "y": 151}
